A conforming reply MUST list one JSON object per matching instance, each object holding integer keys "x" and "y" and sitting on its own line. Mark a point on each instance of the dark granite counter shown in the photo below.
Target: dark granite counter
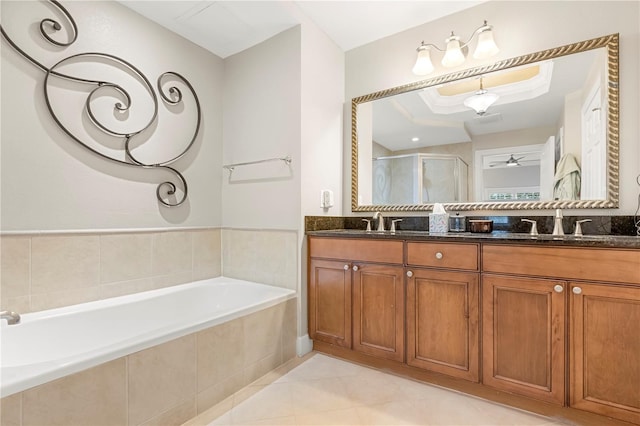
{"x": 493, "y": 237}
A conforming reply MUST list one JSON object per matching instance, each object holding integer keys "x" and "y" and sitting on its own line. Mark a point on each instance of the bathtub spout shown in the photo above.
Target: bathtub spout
{"x": 11, "y": 317}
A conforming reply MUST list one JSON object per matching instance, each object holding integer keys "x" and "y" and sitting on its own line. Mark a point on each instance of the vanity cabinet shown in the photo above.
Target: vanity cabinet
{"x": 523, "y": 336}
{"x": 330, "y": 301}
{"x": 605, "y": 349}
{"x": 378, "y": 310}
{"x": 442, "y": 308}
{"x": 601, "y": 288}
{"x": 557, "y": 324}
{"x": 356, "y": 295}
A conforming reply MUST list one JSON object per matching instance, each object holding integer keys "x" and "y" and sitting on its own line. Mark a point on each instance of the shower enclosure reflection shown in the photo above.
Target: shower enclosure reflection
{"x": 419, "y": 178}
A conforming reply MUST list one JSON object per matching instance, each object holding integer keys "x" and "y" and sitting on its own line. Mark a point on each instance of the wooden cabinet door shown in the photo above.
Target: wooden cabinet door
{"x": 330, "y": 302}
{"x": 523, "y": 336}
{"x": 605, "y": 350}
{"x": 378, "y": 310}
{"x": 443, "y": 322}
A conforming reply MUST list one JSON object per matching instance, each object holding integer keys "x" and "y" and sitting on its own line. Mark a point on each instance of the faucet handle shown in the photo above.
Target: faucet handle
{"x": 368, "y": 224}
{"x": 534, "y": 226}
{"x": 578, "y": 232}
{"x": 393, "y": 224}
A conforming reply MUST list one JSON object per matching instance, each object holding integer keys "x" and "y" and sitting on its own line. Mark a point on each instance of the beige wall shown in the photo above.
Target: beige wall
{"x": 520, "y": 27}
{"x": 49, "y": 182}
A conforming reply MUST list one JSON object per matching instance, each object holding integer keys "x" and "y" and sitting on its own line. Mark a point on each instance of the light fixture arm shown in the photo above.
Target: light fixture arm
{"x": 484, "y": 27}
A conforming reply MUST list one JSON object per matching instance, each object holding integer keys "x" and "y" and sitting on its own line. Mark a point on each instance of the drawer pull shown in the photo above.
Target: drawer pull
{"x": 558, "y": 288}
{"x": 577, "y": 290}
{"x": 439, "y": 255}
{"x": 355, "y": 267}
{"x": 346, "y": 267}
{"x": 409, "y": 274}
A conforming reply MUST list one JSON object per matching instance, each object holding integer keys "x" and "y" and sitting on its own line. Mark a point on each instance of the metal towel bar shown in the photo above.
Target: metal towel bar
{"x": 231, "y": 167}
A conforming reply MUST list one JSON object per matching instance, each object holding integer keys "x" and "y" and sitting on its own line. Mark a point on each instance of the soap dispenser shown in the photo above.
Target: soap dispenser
{"x": 557, "y": 226}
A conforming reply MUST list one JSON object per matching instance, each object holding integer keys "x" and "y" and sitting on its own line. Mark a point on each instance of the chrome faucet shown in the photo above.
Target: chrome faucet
{"x": 378, "y": 215}
{"x": 557, "y": 226}
{"x": 534, "y": 226}
{"x": 11, "y": 317}
{"x": 578, "y": 232}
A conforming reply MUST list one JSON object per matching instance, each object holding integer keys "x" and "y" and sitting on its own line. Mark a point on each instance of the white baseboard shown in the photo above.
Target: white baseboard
{"x": 304, "y": 345}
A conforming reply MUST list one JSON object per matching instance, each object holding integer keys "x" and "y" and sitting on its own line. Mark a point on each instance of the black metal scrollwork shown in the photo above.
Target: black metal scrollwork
{"x": 171, "y": 96}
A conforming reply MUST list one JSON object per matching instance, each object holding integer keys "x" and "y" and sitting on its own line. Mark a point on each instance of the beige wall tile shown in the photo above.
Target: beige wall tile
{"x": 220, "y": 353}
{"x": 10, "y": 410}
{"x": 56, "y": 299}
{"x": 163, "y": 281}
{"x": 21, "y": 305}
{"x": 93, "y": 397}
{"x": 171, "y": 253}
{"x": 15, "y": 266}
{"x": 64, "y": 262}
{"x": 123, "y": 288}
{"x": 175, "y": 416}
{"x": 221, "y": 390}
{"x": 207, "y": 260}
{"x": 262, "y": 333}
{"x": 265, "y": 256}
{"x": 161, "y": 377}
{"x": 253, "y": 372}
{"x": 289, "y": 330}
{"x": 125, "y": 257}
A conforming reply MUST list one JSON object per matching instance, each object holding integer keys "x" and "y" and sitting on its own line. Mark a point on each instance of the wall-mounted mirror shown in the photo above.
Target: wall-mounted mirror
{"x": 539, "y": 131}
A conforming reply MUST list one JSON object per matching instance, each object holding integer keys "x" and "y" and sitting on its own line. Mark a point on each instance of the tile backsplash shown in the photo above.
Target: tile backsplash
{"x": 599, "y": 225}
{"x": 40, "y": 272}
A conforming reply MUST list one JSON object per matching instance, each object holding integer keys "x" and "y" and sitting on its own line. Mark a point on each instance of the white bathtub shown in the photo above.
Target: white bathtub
{"x": 51, "y": 344}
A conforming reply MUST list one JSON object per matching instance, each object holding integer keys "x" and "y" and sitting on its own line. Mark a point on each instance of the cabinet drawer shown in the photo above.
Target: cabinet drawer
{"x": 381, "y": 251}
{"x": 443, "y": 255}
{"x": 583, "y": 263}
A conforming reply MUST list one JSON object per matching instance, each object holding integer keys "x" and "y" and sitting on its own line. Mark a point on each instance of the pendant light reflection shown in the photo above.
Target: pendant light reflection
{"x": 481, "y": 100}
{"x": 454, "y": 51}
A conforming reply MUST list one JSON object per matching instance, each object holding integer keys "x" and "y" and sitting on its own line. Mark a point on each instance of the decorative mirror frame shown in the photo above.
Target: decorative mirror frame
{"x": 610, "y": 42}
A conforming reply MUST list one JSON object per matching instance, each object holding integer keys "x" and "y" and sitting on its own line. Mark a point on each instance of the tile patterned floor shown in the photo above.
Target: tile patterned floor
{"x": 327, "y": 391}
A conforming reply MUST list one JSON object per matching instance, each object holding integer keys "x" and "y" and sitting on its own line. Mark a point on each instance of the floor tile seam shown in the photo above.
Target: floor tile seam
{"x": 290, "y": 403}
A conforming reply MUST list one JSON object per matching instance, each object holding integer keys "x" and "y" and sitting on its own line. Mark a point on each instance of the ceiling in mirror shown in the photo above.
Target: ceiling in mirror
{"x": 505, "y": 127}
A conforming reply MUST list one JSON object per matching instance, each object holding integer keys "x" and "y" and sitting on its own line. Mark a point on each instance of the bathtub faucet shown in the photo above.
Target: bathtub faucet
{"x": 11, "y": 317}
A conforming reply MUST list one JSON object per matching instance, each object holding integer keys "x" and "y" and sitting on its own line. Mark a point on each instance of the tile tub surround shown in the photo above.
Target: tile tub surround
{"x": 167, "y": 384}
{"x": 265, "y": 256}
{"x": 599, "y": 225}
{"x": 44, "y": 271}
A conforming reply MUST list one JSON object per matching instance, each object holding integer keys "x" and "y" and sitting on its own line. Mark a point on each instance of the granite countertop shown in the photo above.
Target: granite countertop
{"x": 619, "y": 241}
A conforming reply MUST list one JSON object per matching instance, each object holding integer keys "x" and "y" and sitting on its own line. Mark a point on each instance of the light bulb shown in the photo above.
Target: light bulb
{"x": 453, "y": 55}
{"x": 423, "y": 64}
{"x": 486, "y": 45}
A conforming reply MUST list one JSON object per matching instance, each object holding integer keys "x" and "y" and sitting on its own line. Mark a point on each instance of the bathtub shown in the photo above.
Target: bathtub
{"x": 55, "y": 343}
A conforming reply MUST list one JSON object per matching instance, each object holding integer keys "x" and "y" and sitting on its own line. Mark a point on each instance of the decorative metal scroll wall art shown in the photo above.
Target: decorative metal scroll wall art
{"x": 166, "y": 192}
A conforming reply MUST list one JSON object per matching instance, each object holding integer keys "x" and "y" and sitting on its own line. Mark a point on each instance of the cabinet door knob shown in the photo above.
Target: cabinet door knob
{"x": 409, "y": 274}
{"x": 355, "y": 267}
{"x": 558, "y": 288}
{"x": 576, "y": 290}
{"x": 439, "y": 255}
{"x": 346, "y": 267}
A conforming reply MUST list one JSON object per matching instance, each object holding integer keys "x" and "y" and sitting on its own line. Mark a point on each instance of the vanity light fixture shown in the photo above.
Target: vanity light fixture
{"x": 453, "y": 52}
{"x": 481, "y": 100}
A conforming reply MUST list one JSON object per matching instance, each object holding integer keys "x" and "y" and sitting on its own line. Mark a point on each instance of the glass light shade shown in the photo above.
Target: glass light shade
{"x": 486, "y": 45}
{"x": 453, "y": 56}
{"x": 423, "y": 64}
{"x": 481, "y": 101}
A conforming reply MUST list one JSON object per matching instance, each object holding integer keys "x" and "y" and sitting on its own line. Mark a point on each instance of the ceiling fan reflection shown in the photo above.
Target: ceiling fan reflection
{"x": 511, "y": 162}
